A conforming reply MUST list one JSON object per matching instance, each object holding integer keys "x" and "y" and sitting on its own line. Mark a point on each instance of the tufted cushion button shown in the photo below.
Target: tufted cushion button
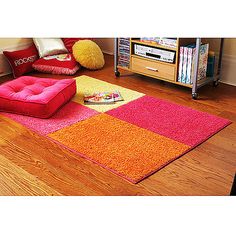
{"x": 36, "y": 93}
{"x": 17, "y": 90}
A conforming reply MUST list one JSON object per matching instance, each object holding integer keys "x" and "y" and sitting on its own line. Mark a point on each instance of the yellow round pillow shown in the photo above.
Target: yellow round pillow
{"x": 88, "y": 54}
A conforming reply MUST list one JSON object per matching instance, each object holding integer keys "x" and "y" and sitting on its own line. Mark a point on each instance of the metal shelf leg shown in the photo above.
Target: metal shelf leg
{"x": 217, "y": 77}
{"x": 117, "y": 73}
{"x": 195, "y": 85}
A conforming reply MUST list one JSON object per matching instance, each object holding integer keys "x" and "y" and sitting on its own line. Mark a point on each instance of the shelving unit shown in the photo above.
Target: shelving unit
{"x": 163, "y": 70}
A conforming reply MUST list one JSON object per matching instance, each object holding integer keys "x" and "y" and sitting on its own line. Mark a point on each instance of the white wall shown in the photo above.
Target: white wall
{"x": 228, "y": 74}
{"x": 106, "y": 44}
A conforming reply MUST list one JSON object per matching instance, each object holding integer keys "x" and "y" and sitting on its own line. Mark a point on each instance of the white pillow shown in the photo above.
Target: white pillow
{"x": 49, "y": 46}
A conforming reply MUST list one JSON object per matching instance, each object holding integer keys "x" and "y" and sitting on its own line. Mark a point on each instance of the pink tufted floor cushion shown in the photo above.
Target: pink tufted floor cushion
{"x": 37, "y": 97}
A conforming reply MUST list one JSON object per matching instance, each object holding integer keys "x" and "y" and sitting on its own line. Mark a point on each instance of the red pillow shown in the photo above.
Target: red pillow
{"x": 57, "y": 64}
{"x": 21, "y": 61}
{"x": 69, "y": 42}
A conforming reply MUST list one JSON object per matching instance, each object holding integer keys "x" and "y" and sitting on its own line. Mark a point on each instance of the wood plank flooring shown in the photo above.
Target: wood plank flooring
{"x": 32, "y": 165}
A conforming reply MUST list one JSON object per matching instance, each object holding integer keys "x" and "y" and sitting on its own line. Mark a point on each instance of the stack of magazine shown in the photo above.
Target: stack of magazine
{"x": 102, "y": 98}
{"x": 169, "y": 42}
{"x": 187, "y": 58}
{"x": 124, "y": 52}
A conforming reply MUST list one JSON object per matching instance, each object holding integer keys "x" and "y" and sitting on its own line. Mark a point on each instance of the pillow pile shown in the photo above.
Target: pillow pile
{"x": 56, "y": 56}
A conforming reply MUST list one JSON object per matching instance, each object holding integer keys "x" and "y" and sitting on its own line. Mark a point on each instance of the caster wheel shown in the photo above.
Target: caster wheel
{"x": 195, "y": 96}
{"x": 215, "y": 83}
{"x": 117, "y": 73}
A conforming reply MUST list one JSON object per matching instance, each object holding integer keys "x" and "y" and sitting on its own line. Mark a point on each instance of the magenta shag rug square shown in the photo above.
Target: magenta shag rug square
{"x": 174, "y": 121}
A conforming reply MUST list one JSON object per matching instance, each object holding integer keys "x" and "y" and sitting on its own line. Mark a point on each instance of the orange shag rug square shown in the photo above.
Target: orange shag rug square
{"x": 127, "y": 150}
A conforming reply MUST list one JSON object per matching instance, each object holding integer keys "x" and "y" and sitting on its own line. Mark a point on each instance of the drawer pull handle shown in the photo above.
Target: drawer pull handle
{"x": 152, "y": 69}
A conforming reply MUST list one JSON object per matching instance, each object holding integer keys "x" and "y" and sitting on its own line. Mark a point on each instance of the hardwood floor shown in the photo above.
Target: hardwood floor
{"x": 32, "y": 165}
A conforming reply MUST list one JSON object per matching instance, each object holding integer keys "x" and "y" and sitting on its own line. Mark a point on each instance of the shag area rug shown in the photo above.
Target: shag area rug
{"x": 132, "y": 138}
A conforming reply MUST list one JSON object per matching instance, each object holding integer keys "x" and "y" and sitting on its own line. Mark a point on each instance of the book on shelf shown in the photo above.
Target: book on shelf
{"x": 124, "y": 41}
{"x": 187, "y": 59}
{"x": 184, "y": 68}
{"x": 102, "y": 97}
{"x": 211, "y": 64}
{"x": 181, "y": 55}
{"x": 148, "y": 40}
{"x": 189, "y": 63}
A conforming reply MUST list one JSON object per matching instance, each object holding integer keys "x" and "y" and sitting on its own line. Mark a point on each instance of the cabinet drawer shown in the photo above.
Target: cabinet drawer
{"x": 154, "y": 69}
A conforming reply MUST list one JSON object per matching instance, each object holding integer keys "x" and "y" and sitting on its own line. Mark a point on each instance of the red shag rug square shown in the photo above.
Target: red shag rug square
{"x": 133, "y": 140}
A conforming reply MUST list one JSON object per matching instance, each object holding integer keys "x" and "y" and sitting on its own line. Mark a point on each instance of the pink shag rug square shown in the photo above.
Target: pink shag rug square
{"x": 174, "y": 121}
{"x": 69, "y": 114}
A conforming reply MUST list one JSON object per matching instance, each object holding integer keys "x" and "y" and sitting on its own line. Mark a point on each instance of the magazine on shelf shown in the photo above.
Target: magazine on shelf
{"x": 102, "y": 97}
{"x": 169, "y": 42}
{"x": 187, "y": 58}
{"x": 189, "y": 63}
{"x": 202, "y": 67}
{"x": 184, "y": 68}
{"x": 181, "y": 55}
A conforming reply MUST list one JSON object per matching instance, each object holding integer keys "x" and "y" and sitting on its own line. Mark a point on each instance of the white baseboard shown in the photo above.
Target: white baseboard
{"x": 5, "y": 68}
{"x": 108, "y": 52}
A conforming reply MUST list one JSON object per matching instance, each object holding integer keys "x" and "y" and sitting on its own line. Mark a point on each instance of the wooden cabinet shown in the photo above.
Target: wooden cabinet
{"x": 164, "y": 70}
